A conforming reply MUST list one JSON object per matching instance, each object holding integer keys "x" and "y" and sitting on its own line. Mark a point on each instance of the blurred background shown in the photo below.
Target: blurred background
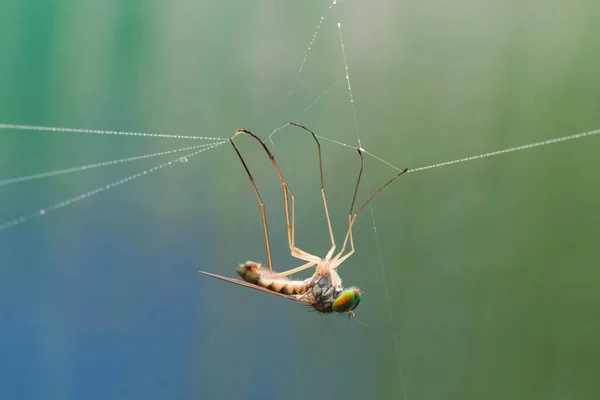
{"x": 491, "y": 266}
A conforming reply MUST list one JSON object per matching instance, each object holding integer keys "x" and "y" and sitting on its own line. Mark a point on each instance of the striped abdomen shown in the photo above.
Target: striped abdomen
{"x": 255, "y": 274}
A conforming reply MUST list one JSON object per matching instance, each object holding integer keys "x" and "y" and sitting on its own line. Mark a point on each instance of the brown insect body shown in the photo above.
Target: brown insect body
{"x": 317, "y": 291}
{"x": 255, "y": 274}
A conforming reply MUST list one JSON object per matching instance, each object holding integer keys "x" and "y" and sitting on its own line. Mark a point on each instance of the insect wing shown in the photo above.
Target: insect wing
{"x": 249, "y": 285}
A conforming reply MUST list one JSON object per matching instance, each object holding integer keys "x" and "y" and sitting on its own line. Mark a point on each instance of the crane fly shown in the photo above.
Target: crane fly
{"x": 323, "y": 291}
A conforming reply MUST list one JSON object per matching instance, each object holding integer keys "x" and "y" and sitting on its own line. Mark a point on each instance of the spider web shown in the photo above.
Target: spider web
{"x": 188, "y": 153}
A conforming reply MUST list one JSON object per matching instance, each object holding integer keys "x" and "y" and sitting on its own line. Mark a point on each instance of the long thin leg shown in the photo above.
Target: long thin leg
{"x": 338, "y": 259}
{"x": 330, "y": 253}
{"x": 260, "y": 203}
{"x": 294, "y": 271}
{"x": 296, "y": 252}
{"x": 351, "y": 217}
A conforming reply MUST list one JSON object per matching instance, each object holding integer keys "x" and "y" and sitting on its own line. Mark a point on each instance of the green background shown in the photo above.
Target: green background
{"x": 491, "y": 266}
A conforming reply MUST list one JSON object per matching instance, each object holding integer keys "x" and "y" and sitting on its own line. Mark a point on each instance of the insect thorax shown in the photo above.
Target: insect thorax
{"x": 323, "y": 293}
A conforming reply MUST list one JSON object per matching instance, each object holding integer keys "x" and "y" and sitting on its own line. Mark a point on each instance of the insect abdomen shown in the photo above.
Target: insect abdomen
{"x": 255, "y": 274}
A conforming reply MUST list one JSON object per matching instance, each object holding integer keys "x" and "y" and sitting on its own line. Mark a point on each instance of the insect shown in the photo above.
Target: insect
{"x": 323, "y": 291}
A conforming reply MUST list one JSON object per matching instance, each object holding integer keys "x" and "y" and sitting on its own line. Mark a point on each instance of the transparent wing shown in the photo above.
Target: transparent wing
{"x": 297, "y": 298}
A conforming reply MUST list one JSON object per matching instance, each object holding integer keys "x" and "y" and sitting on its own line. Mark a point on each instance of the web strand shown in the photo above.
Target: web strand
{"x": 102, "y": 132}
{"x": 315, "y": 101}
{"x": 349, "y": 85}
{"x": 493, "y": 153}
{"x": 67, "y": 202}
{"x": 79, "y": 168}
{"x": 378, "y": 246}
{"x": 470, "y": 158}
{"x": 320, "y": 97}
{"x": 312, "y": 42}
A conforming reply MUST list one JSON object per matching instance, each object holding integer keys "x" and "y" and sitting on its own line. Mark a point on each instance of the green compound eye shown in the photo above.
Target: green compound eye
{"x": 348, "y": 300}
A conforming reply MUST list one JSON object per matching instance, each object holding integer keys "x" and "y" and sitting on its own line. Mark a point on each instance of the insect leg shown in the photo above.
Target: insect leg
{"x": 338, "y": 259}
{"x": 261, "y": 205}
{"x": 330, "y": 253}
{"x": 296, "y": 252}
{"x": 293, "y": 271}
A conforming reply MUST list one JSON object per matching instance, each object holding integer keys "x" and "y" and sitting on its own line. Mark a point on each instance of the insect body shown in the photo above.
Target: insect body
{"x": 319, "y": 291}
{"x": 323, "y": 291}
